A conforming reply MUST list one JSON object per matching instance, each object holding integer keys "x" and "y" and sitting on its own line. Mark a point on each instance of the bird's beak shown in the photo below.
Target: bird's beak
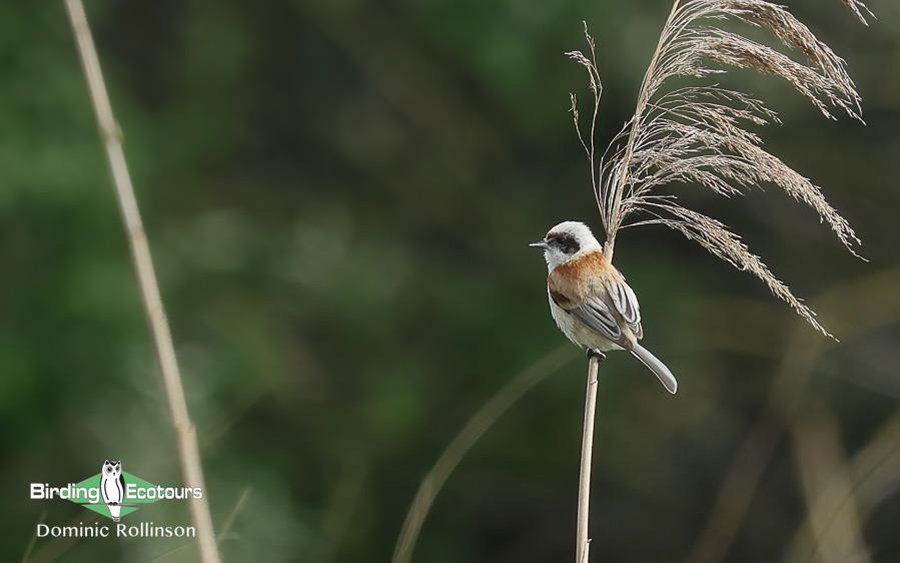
{"x": 539, "y": 244}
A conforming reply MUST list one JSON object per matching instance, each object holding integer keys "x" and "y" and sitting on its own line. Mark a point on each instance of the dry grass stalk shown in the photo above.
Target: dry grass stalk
{"x": 582, "y": 542}
{"x": 828, "y": 488}
{"x": 33, "y": 540}
{"x": 188, "y": 449}
{"x": 802, "y": 351}
{"x": 875, "y": 476}
{"x": 456, "y": 450}
{"x": 701, "y": 134}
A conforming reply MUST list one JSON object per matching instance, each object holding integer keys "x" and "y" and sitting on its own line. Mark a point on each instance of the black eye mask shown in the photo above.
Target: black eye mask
{"x": 566, "y": 244}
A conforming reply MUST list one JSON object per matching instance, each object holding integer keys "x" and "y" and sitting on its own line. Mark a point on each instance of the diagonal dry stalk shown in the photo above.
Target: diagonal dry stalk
{"x": 186, "y": 435}
{"x": 29, "y": 549}
{"x": 456, "y": 450}
{"x": 802, "y": 352}
{"x": 875, "y": 476}
{"x": 703, "y": 134}
{"x": 224, "y": 533}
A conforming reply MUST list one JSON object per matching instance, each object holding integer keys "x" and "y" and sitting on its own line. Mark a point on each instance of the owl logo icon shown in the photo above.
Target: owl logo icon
{"x": 112, "y": 486}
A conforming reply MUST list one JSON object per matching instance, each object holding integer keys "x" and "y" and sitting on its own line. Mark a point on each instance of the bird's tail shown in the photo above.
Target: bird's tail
{"x": 658, "y": 368}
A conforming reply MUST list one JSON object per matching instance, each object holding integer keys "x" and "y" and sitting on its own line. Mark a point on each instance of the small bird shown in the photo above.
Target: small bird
{"x": 589, "y": 299}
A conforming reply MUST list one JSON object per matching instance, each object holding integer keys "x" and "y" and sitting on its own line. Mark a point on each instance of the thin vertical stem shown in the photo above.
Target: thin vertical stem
{"x": 587, "y": 449}
{"x": 186, "y": 435}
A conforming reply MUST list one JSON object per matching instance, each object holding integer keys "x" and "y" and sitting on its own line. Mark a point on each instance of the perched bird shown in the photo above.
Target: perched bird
{"x": 589, "y": 299}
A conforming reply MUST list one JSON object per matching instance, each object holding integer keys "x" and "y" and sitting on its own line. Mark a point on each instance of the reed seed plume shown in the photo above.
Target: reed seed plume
{"x": 702, "y": 134}
{"x": 860, "y": 10}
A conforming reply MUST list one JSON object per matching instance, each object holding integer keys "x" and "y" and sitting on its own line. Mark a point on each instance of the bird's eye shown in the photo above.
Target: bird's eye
{"x": 568, "y": 244}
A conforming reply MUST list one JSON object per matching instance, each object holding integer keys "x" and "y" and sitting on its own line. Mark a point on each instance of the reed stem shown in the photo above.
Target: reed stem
{"x": 582, "y": 546}
{"x": 186, "y": 434}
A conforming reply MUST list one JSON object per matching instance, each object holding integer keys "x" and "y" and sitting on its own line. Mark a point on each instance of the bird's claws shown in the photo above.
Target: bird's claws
{"x": 592, "y": 353}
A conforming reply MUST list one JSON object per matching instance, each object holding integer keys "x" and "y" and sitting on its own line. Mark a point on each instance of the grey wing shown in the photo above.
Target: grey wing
{"x": 595, "y": 313}
{"x": 626, "y": 304}
{"x": 121, "y": 487}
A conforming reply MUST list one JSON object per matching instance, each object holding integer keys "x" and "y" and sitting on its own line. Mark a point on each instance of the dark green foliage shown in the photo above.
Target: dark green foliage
{"x": 338, "y": 196}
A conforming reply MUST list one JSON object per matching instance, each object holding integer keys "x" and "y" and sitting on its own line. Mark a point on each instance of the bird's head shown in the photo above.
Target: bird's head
{"x": 566, "y": 240}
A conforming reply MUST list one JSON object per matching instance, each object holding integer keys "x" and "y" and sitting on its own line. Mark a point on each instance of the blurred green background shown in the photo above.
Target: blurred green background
{"x": 338, "y": 195}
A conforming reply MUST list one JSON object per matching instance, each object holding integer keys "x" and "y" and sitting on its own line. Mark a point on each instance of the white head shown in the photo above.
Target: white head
{"x": 566, "y": 240}
{"x": 112, "y": 468}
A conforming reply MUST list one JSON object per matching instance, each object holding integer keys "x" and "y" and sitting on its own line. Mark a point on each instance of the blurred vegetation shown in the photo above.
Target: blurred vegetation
{"x": 339, "y": 196}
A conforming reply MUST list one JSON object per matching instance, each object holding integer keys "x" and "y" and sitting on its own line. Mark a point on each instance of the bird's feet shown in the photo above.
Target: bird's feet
{"x": 592, "y": 353}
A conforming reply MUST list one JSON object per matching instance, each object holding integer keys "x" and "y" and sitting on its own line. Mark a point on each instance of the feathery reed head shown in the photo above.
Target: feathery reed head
{"x": 860, "y": 10}
{"x": 699, "y": 134}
